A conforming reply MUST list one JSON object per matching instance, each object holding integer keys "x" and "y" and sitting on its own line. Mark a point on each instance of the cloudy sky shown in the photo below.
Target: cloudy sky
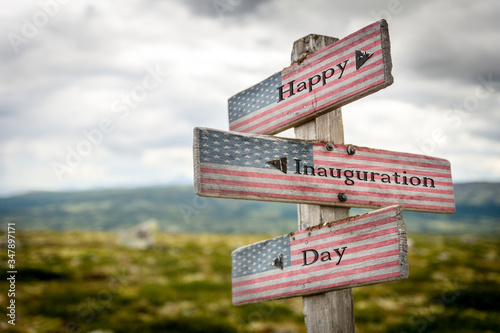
{"x": 100, "y": 94}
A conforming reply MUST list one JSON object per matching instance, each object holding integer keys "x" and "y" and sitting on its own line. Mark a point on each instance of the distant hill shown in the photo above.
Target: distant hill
{"x": 178, "y": 209}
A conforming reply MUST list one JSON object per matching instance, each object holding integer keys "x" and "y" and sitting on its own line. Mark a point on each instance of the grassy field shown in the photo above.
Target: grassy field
{"x": 86, "y": 282}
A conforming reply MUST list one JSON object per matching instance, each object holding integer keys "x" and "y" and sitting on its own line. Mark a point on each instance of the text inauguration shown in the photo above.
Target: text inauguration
{"x": 365, "y": 176}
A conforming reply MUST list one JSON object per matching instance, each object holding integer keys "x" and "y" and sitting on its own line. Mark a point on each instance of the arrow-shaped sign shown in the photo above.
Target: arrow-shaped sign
{"x": 361, "y": 58}
{"x": 280, "y": 164}
{"x": 354, "y": 252}
{"x": 236, "y": 165}
{"x": 351, "y": 68}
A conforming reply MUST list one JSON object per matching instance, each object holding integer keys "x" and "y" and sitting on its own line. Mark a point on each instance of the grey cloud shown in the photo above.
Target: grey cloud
{"x": 101, "y": 50}
{"x": 223, "y": 8}
{"x": 453, "y": 44}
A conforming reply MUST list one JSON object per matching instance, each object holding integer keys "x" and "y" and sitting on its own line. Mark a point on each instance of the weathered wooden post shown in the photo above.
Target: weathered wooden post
{"x": 332, "y": 311}
{"x": 331, "y": 252}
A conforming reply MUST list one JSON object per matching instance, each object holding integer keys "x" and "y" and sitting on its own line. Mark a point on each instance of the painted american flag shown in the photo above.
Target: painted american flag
{"x": 259, "y": 109}
{"x": 374, "y": 250}
{"x": 235, "y": 165}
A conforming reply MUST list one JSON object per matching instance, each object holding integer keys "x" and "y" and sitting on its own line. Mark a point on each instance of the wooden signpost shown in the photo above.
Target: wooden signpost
{"x": 354, "y": 252}
{"x": 351, "y": 68}
{"x": 257, "y": 167}
{"x": 322, "y": 261}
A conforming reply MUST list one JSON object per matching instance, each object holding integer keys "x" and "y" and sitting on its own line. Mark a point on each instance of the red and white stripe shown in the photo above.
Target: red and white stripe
{"x": 375, "y": 253}
{"x": 272, "y": 185}
{"x": 354, "y": 84}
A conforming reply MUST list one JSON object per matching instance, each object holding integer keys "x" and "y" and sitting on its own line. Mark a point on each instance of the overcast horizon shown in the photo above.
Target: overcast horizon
{"x": 103, "y": 95}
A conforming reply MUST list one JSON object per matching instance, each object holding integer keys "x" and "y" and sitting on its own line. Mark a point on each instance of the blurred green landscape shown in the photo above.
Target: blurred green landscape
{"x": 84, "y": 281}
{"x": 178, "y": 209}
{"x": 76, "y": 275}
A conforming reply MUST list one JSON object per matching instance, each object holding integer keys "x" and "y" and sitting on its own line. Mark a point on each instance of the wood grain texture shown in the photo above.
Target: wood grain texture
{"x": 309, "y": 44}
{"x": 319, "y": 82}
{"x": 329, "y": 312}
{"x": 356, "y": 251}
{"x": 235, "y": 165}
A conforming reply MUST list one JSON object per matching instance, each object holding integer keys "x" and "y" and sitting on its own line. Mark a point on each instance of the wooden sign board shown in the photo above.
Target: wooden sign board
{"x": 354, "y": 252}
{"x": 261, "y": 167}
{"x": 351, "y": 68}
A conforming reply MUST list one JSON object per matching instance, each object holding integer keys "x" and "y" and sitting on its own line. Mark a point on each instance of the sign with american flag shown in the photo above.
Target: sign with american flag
{"x": 351, "y": 68}
{"x": 357, "y": 251}
{"x": 261, "y": 167}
